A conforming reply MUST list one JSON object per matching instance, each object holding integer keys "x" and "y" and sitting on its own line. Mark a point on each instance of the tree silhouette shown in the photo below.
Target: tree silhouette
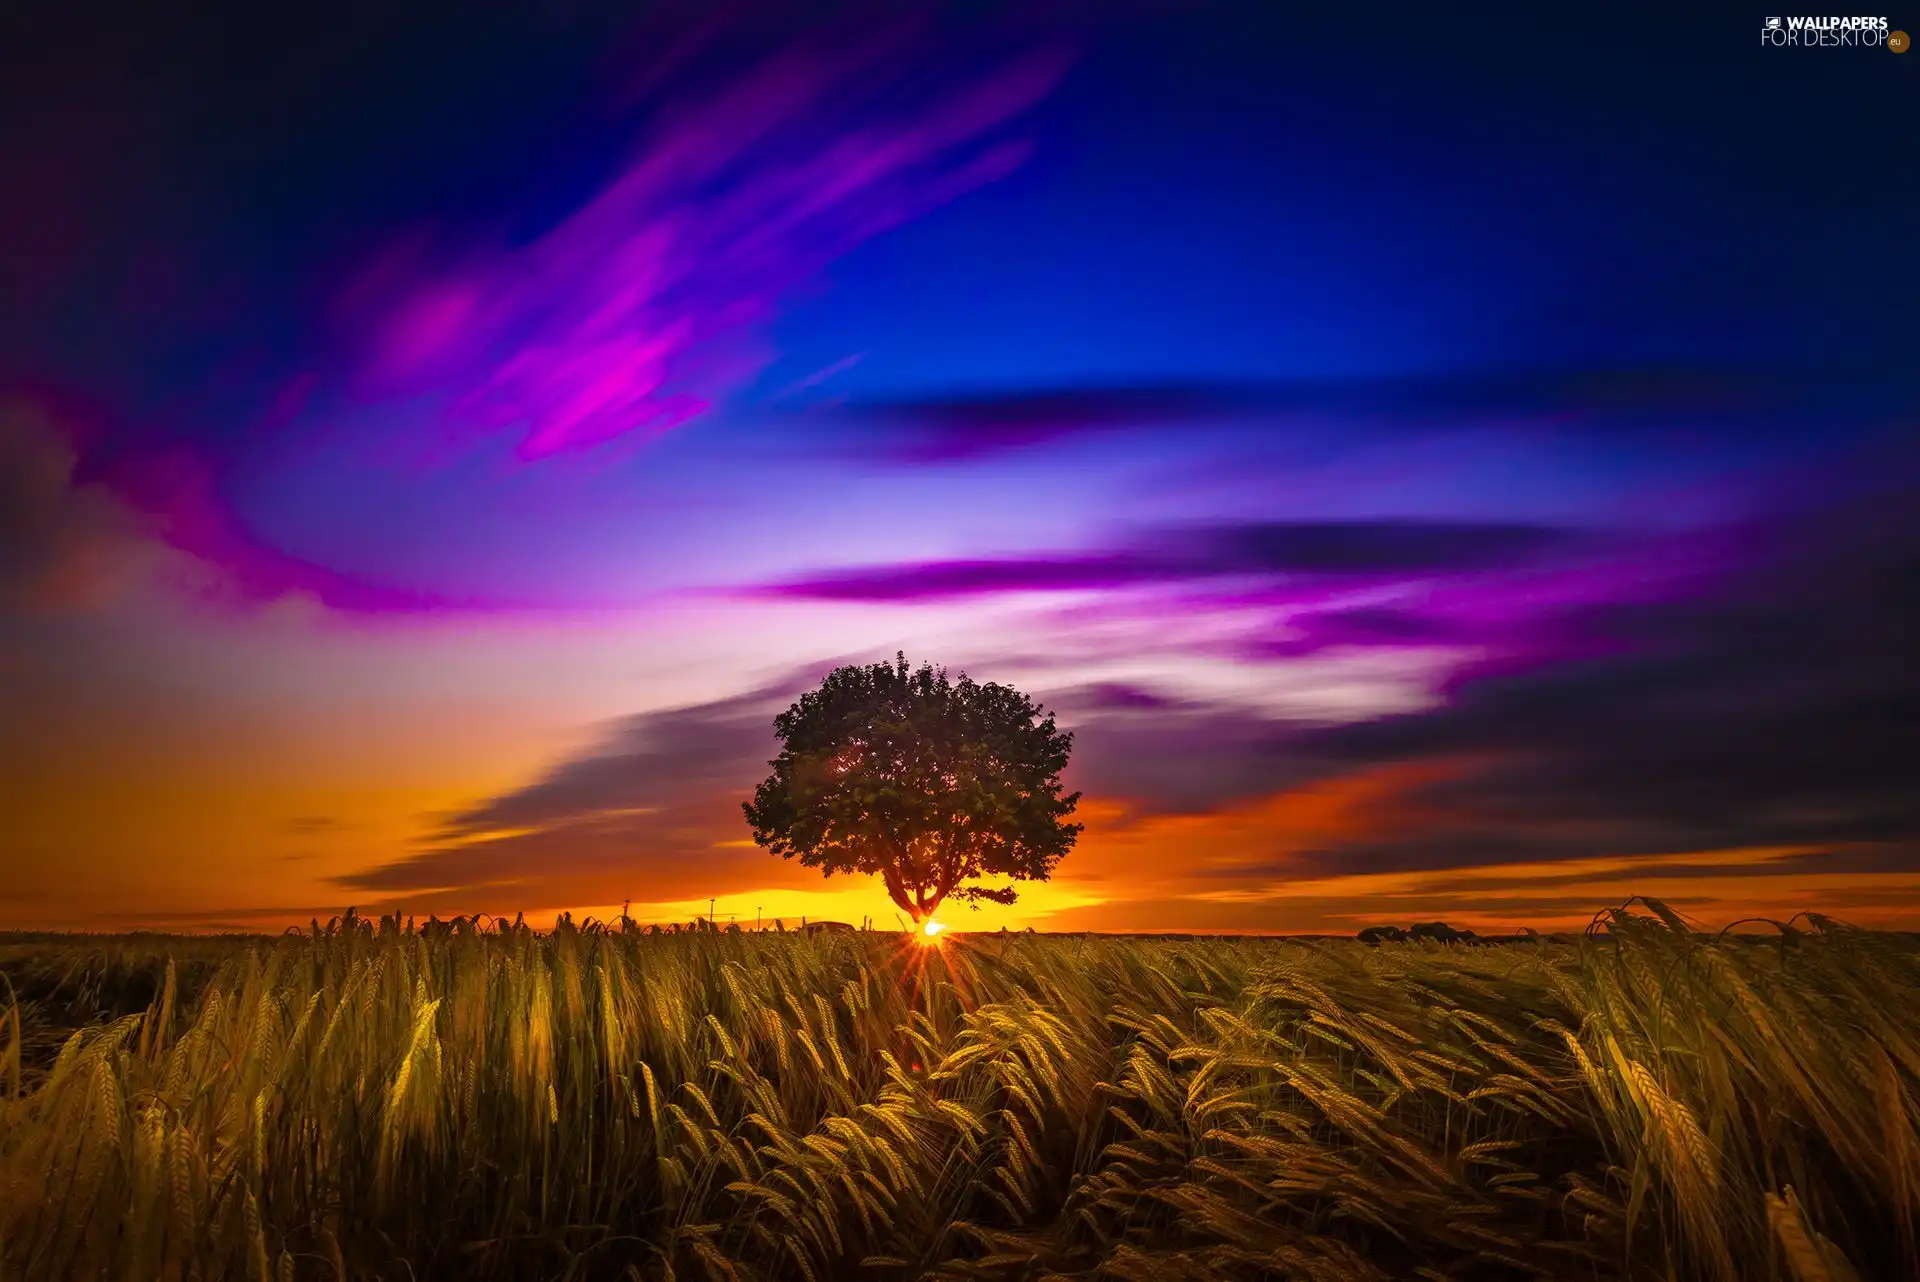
{"x": 924, "y": 781}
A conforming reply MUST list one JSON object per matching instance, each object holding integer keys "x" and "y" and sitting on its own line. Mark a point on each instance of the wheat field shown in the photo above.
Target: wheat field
{"x": 481, "y": 1101}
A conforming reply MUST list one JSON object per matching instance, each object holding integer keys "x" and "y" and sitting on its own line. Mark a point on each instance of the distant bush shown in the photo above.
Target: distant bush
{"x": 1381, "y": 935}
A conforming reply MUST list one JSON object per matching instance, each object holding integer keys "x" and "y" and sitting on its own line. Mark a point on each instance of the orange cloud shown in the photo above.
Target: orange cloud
{"x": 1239, "y": 869}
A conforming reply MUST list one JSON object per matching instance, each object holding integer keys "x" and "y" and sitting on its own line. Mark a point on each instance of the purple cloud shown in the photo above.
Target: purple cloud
{"x": 1354, "y": 549}
{"x": 1332, "y": 629}
{"x": 936, "y": 580}
{"x": 637, "y": 311}
{"x": 1113, "y": 696}
{"x": 1656, "y": 401}
{"x": 1779, "y": 708}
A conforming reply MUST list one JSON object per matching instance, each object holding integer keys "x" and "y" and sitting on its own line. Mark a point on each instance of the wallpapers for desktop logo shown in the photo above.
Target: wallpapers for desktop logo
{"x": 1857, "y": 32}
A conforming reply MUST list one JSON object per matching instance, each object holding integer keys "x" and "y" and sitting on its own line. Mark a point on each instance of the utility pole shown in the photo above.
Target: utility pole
{"x": 709, "y": 912}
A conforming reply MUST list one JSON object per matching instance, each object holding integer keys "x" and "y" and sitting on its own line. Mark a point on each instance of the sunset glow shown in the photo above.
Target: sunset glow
{"x": 423, "y": 491}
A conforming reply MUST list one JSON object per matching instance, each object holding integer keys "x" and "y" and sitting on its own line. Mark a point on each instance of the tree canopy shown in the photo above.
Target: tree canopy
{"x": 925, "y": 781}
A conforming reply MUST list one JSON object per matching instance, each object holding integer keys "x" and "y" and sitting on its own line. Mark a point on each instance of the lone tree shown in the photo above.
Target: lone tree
{"x": 926, "y": 781}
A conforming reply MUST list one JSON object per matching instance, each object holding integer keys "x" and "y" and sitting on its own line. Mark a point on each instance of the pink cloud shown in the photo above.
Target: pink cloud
{"x": 638, "y": 311}
{"x": 179, "y": 505}
{"x": 634, "y": 313}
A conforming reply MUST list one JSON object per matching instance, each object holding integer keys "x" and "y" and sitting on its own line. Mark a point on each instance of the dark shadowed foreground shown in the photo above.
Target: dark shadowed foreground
{"x": 464, "y": 1104}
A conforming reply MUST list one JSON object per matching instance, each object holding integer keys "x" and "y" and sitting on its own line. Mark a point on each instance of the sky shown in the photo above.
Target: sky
{"x": 1439, "y": 466}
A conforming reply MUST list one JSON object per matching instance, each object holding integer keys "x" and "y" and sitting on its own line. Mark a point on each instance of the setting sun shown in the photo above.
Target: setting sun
{"x": 930, "y": 930}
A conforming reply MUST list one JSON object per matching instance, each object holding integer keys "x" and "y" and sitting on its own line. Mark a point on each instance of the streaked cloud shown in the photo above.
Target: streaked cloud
{"x": 1322, "y": 415}
{"x": 642, "y": 305}
{"x": 1401, "y": 548}
{"x": 630, "y": 315}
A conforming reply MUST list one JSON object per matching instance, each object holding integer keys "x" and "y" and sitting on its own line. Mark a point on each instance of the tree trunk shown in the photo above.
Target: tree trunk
{"x": 898, "y": 893}
{"x": 918, "y": 901}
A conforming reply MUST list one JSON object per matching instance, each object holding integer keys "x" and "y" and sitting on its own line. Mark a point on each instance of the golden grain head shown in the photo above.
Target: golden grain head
{"x": 483, "y": 1102}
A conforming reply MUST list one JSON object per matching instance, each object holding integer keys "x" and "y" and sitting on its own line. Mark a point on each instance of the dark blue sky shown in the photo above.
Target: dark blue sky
{"x": 1230, "y": 192}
